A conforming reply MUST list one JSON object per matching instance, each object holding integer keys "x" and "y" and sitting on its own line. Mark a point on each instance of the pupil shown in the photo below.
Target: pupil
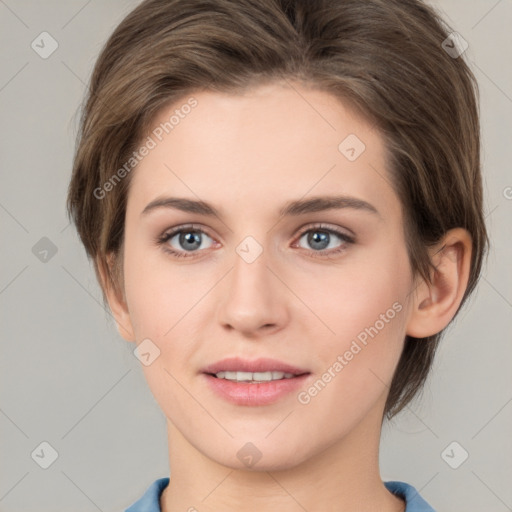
{"x": 190, "y": 238}
{"x": 319, "y": 237}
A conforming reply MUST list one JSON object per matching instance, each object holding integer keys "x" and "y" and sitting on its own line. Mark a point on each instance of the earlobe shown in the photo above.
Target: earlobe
{"x": 116, "y": 301}
{"x": 436, "y": 303}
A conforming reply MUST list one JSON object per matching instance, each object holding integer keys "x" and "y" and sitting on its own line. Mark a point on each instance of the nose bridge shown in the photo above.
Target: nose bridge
{"x": 252, "y": 299}
{"x": 250, "y": 265}
{"x": 250, "y": 276}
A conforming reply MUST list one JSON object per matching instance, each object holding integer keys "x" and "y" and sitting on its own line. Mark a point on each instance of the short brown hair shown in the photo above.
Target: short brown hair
{"x": 382, "y": 57}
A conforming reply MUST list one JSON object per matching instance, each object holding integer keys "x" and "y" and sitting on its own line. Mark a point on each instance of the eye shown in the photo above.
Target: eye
{"x": 183, "y": 240}
{"x": 321, "y": 238}
{"x": 187, "y": 241}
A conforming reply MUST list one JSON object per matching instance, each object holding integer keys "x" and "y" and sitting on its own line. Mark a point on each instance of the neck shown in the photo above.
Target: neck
{"x": 342, "y": 476}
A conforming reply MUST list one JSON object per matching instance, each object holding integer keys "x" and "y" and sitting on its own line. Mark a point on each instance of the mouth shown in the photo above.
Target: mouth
{"x": 253, "y": 377}
{"x": 259, "y": 382}
{"x": 260, "y": 370}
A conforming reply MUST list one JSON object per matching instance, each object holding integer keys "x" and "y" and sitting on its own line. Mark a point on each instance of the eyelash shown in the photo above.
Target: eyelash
{"x": 165, "y": 237}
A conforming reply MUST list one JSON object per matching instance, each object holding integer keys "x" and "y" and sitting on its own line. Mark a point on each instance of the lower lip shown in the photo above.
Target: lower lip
{"x": 246, "y": 393}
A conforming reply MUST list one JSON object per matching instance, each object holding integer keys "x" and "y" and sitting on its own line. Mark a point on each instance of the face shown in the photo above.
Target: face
{"x": 320, "y": 288}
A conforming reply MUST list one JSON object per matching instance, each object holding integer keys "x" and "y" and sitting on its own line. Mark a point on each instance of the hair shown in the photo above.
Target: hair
{"x": 383, "y": 58}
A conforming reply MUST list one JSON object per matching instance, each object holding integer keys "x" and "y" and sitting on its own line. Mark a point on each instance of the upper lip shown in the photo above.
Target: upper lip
{"x": 232, "y": 364}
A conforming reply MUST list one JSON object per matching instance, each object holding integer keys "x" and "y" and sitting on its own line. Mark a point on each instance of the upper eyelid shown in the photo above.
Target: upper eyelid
{"x": 185, "y": 227}
{"x": 322, "y": 226}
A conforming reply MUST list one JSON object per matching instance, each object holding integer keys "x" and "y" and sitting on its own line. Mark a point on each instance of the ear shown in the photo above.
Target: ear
{"x": 436, "y": 303}
{"x": 116, "y": 300}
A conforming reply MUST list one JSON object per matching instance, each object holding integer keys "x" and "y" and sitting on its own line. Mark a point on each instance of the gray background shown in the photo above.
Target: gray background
{"x": 69, "y": 379}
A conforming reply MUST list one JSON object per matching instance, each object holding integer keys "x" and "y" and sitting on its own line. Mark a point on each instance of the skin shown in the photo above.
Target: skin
{"x": 248, "y": 155}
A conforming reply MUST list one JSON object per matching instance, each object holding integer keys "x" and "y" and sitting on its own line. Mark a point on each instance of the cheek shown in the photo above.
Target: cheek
{"x": 364, "y": 309}
{"x": 369, "y": 319}
{"x": 162, "y": 303}
{"x": 158, "y": 294}
{"x": 351, "y": 298}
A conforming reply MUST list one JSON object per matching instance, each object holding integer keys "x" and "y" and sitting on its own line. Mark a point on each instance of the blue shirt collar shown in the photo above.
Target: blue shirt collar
{"x": 150, "y": 501}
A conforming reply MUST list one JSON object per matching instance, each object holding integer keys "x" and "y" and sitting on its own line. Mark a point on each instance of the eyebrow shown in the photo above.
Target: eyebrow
{"x": 292, "y": 208}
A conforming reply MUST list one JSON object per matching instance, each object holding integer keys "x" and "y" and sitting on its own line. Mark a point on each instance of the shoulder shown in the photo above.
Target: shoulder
{"x": 150, "y": 500}
{"x": 414, "y": 502}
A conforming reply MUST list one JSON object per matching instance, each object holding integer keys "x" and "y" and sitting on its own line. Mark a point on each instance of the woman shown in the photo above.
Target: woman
{"x": 283, "y": 203}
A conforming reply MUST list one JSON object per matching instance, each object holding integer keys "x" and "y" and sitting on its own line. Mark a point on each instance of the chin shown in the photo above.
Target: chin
{"x": 259, "y": 456}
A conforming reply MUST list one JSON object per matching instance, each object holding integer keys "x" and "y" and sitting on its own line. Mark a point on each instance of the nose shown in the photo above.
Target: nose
{"x": 253, "y": 299}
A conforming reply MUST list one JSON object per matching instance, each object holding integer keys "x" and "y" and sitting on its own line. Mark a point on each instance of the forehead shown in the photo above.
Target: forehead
{"x": 271, "y": 141}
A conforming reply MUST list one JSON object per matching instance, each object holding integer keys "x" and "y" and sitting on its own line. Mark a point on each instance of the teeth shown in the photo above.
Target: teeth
{"x": 253, "y": 376}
